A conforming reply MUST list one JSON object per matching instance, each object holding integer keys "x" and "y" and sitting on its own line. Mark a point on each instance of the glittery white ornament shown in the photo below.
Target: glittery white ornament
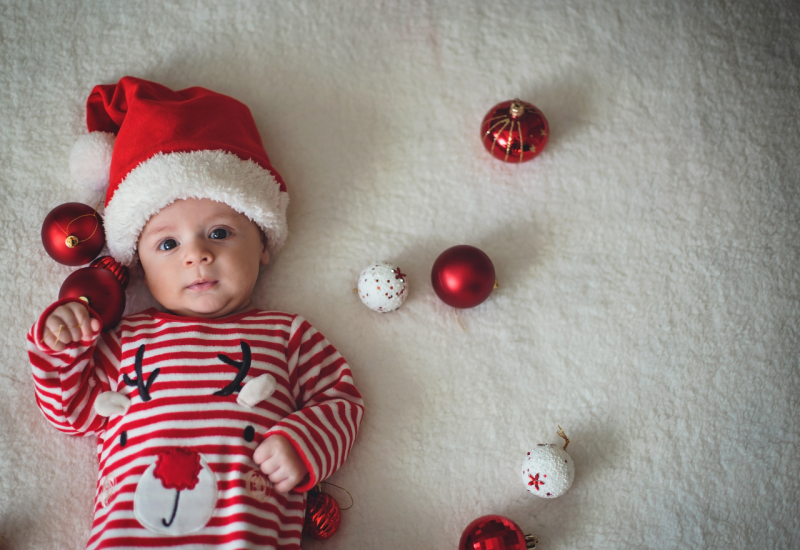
{"x": 382, "y": 287}
{"x": 548, "y": 471}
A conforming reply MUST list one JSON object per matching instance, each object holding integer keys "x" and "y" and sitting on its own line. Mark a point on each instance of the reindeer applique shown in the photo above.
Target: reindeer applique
{"x": 178, "y": 491}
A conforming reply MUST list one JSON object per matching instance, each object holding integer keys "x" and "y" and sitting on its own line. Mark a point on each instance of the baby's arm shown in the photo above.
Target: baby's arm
{"x": 72, "y": 363}
{"x": 323, "y": 428}
{"x": 280, "y": 462}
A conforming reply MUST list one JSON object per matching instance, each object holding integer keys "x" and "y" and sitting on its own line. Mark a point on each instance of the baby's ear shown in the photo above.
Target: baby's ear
{"x": 264, "y": 258}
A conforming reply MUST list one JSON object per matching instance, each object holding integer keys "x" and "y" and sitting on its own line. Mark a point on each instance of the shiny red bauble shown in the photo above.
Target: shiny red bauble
{"x": 120, "y": 271}
{"x": 323, "y": 516}
{"x": 514, "y": 131}
{"x": 101, "y": 289}
{"x": 463, "y": 276}
{"x": 72, "y": 234}
{"x": 495, "y": 533}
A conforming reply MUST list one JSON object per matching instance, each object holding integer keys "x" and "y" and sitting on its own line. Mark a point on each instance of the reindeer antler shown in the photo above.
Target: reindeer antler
{"x": 243, "y": 366}
{"x": 144, "y": 388}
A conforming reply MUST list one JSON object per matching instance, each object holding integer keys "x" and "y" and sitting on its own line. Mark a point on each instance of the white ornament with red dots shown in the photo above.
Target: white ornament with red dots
{"x": 382, "y": 287}
{"x": 548, "y": 471}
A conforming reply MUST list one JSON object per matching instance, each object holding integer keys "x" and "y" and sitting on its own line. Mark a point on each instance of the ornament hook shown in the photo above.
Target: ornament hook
{"x": 561, "y": 434}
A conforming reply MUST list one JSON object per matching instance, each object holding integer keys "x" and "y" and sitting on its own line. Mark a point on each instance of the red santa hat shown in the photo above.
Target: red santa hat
{"x": 152, "y": 146}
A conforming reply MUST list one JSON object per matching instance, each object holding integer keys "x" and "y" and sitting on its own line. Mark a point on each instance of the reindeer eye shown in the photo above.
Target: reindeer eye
{"x": 123, "y": 439}
{"x": 249, "y": 433}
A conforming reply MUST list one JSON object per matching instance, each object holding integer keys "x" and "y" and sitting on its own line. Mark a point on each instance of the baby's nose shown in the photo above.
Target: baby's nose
{"x": 197, "y": 253}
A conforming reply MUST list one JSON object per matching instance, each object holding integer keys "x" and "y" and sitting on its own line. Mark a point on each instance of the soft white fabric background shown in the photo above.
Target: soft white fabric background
{"x": 647, "y": 259}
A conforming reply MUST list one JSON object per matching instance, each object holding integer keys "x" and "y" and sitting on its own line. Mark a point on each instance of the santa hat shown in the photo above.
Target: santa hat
{"x": 152, "y": 146}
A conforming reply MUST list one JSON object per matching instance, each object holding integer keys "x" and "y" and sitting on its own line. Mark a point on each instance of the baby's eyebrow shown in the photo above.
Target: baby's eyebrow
{"x": 157, "y": 229}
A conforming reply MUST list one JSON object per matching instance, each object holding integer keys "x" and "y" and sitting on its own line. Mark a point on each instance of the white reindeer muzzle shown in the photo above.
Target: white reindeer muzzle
{"x": 177, "y": 494}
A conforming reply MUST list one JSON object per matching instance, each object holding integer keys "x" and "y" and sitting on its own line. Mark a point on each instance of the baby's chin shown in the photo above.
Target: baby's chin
{"x": 209, "y": 307}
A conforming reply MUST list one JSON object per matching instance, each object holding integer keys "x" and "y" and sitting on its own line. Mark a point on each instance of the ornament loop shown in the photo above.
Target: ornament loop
{"x": 319, "y": 488}
{"x": 561, "y": 434}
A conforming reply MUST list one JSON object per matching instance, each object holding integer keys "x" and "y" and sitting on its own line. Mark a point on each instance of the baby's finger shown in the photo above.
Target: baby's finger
{"x": 278, "y": 476}
{"x": 57, "y": 325}
{"x": 53, "y": 338}
{"x": 84, "y": 322}
{"x": 285, "y": 485}
{"x": 270, "y": 466}
{"x": 263, "y": 452}
{"x": 63, "y": 322}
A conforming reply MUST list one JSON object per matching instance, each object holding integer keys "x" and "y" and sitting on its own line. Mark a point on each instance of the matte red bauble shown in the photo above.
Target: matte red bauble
{"x": 323, "y": 515}
{"x": 463, "y": 276}
{"x": 495, "y": 533}
{"x": 120, "y": 271}
{"x": 101, "y": 289}
{"x": 72, "y": 234}
{"x": 514, "y": 131}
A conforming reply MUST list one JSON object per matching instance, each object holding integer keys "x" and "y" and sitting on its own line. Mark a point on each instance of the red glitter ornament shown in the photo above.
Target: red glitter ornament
{"x": 514, "y": 131}
{"x": 72, "y": 234}
{"x": 495, "y": 533}
{"x": 120, "y": 271}
{"x": 323, "y": 515}
{"x": 101, "y": 289}
{"x": 463, "y": 276}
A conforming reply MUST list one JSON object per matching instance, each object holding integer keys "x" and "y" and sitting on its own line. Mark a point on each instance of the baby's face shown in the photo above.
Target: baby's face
{"x": 200, "y": 258}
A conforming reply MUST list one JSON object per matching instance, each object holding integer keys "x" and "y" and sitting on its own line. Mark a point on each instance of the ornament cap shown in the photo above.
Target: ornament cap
{"x": 71, "y": 241}
{"x": 517, "y": 109}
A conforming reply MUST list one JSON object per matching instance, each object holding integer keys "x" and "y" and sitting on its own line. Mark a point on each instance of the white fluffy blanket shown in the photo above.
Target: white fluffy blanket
{"x": 648, "y": 259}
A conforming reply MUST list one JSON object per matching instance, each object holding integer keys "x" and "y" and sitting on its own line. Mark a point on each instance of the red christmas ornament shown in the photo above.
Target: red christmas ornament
{"x": 463, "y": 276}
{"x": 120, "y": 271}
{"x": 514, "y": 131}
{"x": 495, "y": 533}
{"x": 72, "y": 234}
{"x": 100, "y": 289}
{"x": 323, "y": 515}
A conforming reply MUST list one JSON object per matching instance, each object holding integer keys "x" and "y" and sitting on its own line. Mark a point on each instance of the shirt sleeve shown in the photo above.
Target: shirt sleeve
{"x": 68, "y": 382}
{"x": 330, "y": 407}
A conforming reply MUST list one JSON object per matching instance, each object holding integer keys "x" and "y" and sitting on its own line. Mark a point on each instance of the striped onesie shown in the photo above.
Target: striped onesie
{"x": 179, "y": 404}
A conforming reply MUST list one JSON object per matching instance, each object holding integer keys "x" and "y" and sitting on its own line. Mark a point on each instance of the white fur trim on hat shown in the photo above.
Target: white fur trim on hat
{"x": 90, "y": 159}
{"x": 217, "y": 175}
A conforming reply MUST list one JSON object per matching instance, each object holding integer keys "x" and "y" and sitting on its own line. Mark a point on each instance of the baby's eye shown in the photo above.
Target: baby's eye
{"x": 219, "y": 233}
{"x": 168, "y": 244}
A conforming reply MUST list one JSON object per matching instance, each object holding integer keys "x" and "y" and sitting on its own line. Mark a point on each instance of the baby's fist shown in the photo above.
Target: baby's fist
{"x": 69, "y": 323}
{"x": 280, "y": 462}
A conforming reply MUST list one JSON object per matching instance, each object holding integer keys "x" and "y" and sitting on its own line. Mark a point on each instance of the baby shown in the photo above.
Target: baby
{"x": 213, "y": 417}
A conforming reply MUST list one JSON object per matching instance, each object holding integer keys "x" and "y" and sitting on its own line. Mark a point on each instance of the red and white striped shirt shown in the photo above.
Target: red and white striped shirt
{"x": 176, "y": 467}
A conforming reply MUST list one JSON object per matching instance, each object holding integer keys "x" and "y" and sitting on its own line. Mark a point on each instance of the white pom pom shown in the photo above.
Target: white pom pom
{"x": 111, "y": 402}
{"x": 90, "y": 160}
{"x": 382, "y": 287}
{"x": 548, "y": 471}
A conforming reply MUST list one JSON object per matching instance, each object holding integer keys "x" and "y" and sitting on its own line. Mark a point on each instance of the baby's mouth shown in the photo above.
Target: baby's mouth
{"x": 202, "y": 284}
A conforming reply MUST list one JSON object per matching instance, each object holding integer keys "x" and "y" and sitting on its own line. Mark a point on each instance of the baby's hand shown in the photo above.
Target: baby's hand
{"x": 69, "y": 323}
{"x": 280, "y": 462}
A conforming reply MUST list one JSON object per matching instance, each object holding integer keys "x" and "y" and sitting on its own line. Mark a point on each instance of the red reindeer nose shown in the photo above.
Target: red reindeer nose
{"x": 178, "y": 468}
